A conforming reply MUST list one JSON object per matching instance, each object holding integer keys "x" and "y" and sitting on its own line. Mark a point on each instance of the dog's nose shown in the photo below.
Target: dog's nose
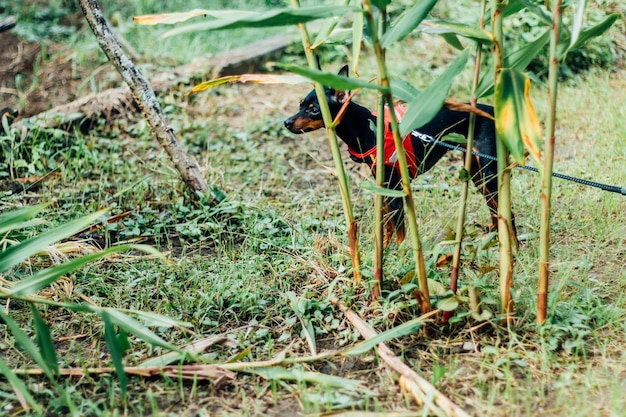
{"x": 288, "y": 123}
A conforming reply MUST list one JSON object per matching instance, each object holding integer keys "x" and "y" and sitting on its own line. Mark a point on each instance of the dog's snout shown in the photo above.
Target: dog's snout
{"x": 288, "y": 123}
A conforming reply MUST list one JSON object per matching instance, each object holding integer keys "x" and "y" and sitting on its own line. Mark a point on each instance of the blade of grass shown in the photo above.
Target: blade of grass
{"x": 284, "y": 374}
{"x": 132, "y": 326}
{"x": 404, "y": 329}
{"x": 18, "y": 253}
{"x": 116, "y": 352}
{"x": 48, "y": 276}
{"x": 24, "y": 341}
{"x": 44, "y": 341}
{"x": 15, "y": 219}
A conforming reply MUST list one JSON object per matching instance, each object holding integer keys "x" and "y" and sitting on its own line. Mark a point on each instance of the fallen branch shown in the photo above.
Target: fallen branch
{"x": 144, "y": 97}
{"x": 119, "y": 100}
{"x": 422, "y": 391}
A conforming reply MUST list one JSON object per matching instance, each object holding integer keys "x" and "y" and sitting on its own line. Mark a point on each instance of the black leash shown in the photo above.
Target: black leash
{"x": 610, "y": 188}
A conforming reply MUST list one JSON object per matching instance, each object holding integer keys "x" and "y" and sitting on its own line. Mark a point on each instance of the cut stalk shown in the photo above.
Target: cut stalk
{"x": 334, "y": 147}
{"x": 504, "y": 181}
{"x": 420, "y": 266}
{"x": 546, "y": 173}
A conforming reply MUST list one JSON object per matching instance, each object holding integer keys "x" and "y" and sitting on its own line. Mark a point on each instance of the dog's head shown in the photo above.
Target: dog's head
{"x": 309, "y": 117}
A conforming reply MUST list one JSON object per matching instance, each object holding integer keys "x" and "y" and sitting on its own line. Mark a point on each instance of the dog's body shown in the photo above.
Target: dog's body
{"x": 355, "y": 129}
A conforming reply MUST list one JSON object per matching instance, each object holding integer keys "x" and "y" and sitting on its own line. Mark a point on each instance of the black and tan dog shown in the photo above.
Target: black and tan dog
{"x": 355, "y": 129}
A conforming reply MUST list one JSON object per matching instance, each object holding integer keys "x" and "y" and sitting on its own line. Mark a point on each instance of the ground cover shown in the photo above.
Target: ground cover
{"x": 269, "y": 258}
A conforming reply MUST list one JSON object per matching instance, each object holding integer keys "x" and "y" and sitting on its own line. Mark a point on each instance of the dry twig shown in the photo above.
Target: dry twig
{"x": 421, "y": 390}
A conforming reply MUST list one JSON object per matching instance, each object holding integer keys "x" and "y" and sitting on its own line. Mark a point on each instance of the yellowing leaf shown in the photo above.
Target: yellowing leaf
{"x": 531, "y": 134}
{"x": 254, "y": 78}
{"x": 516, "y": 120}
{"x": 168, "y": 18}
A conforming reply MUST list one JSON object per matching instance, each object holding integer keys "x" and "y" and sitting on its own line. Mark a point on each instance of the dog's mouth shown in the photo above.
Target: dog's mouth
{"x": 302, "y": 125}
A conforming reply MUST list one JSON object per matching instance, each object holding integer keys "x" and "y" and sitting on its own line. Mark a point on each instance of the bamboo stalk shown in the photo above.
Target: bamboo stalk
{"x": 460, "y": 223}
{"x": 380, "y": 179}
{"x": 379, "y": 203}
{"x": 505, "y": 223}
{"x": 344, "y": 188}
{"x": 422, "y": 391}
{"x": 409, "y": 205}
{"x": 546, "y": 173}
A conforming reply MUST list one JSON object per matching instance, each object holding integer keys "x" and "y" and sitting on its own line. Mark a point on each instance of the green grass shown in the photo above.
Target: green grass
{"x": 234, "y": 269}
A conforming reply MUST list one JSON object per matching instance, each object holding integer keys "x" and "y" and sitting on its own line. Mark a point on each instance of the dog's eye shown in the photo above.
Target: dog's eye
{"x": 314, "y": 111}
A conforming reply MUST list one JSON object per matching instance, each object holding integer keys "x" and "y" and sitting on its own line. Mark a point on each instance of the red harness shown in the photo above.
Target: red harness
{"x": 391, "y": 156}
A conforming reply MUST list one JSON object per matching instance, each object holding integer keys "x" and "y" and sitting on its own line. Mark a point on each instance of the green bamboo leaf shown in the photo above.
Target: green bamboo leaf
{"x": 24, "y": 341}
{"x": 520, "y": 58}
{"x": 404, "y": 329}
{"x": 283, "y": 374}
{"x": 331, "y": 80}
{"x": 384, "y": 191}
{"x": 407, "y": 22}
{"x": 404, "y": 90}
{"x": 517, "y": 60}
{"x": 579, "y": 17}
{"x": 132, "y": 326}
{"x": 15, "y": 219}
{"x": 327, "y": 29}
{"x": 514, "y": 6}
{"x": 426, "y": 105}
{"x": 453, "y": 40}
{"x": 357, "y": 40}
{"x": 589, "y": 33}
{"x": 123, "y": 340}
{"x": 44, "y": 341}
{"x": 18, "y": 253}
{"x": 442, "y": 27}
{"x": 516, "y": 120}
{"x": 116, "y": 351}
{"x": 448, "y": 304}
{"x": 455, "y": 138}
{"x": 270, "y": 18}
{"x": 19, "y": 388}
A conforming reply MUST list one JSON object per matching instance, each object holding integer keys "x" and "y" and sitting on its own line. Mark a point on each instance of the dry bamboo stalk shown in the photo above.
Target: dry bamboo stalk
{"x": 408, "y": 377}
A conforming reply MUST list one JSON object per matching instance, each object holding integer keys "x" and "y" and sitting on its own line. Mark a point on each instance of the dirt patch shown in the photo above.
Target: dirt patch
{"x": 34, "y": 79}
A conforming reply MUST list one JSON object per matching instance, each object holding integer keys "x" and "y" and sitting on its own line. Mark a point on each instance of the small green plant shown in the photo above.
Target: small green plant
{"x": 23, "y": 292}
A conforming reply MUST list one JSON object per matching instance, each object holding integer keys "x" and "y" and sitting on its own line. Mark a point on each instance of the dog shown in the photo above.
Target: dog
{"x": 356, "y": 130}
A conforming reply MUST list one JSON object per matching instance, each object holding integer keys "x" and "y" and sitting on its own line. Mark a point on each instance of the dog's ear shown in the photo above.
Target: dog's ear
{"x": 342, "y": 96}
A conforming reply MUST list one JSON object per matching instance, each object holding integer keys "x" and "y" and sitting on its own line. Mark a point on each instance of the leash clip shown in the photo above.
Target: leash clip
{"x": 423, "y": 137}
